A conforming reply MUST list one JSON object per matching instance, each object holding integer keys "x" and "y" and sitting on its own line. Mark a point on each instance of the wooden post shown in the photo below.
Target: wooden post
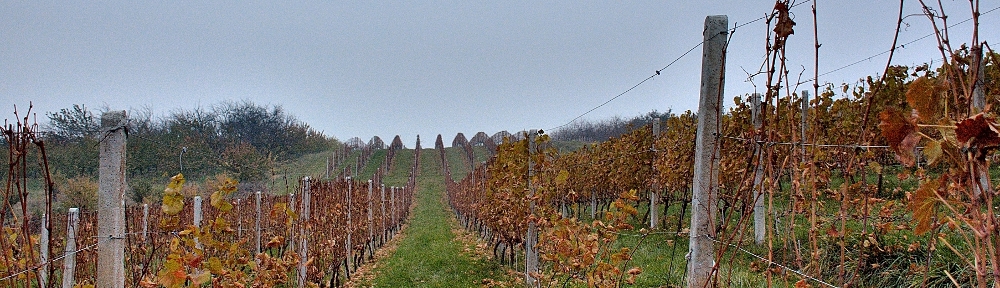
{"x": 531, "y": 252}
{"x": 759, "y": 211}
{"x": 654, "y": 195}
{"x": 257, "y": 223}
{"x": 197, "y": 218}
{"x": 111, "y": 201}
{"x": 303, "y": 235}
{"x": 69, "y": 261}
{"x": 706, "y": 162}
{"x": 43, "y": 257}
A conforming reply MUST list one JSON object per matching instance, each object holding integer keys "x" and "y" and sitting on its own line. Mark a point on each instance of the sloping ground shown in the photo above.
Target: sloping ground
{"x": 400, "y": 170}
{"x": 458, "y": 162}
{"x": 430, "y": 255}
{"x": 376, "y": 160}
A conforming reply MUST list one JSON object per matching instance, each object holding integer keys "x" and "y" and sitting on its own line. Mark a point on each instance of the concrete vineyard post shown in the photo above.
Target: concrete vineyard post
{"x": 382, "y": 203}
{"x": 197, "y": 218}
{"x": 805, "y": 115}
{"x": 706, "y": 162}
{"x": 759, "y": 211}
{"x": 111, "y": 201}
{"x": 348, "y": 247}
{"x": 371, "y": 231}
{"x": 145, "y": 223}
{"x": 257, "y": 222}
{"x": 654, "y": 195}
{"x": 69, "y": 260}
{"x": 531, "y": 252}
{"x": 43, "y": 241}
{"x": 393, "y": 202}
{"x": 291, "y": 206}
{"x": 303, "y": 235}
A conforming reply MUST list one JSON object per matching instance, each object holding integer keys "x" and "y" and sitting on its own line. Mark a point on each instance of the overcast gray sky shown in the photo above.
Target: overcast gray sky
{"x": 363, "y": 68}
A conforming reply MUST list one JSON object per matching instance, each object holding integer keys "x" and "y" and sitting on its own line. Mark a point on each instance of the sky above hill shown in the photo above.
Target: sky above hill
{"x": 363, "y": 68}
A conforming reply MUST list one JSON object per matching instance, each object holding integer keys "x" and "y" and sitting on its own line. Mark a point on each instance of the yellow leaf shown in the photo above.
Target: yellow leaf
{"x": 173, "y": 201}
{"x": 932, "y": 151}
{"x": 562, "y": 177}
{"x": 200, "y": 278}
{"x": 172, "y": 274}
{"x": 218, "y": 200}
{"x": 215, "y": 265}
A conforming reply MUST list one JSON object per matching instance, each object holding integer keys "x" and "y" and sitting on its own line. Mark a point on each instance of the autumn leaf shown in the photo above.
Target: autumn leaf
{"x": 923, "y": 203}
{"x": 932, "y": 151}
{"x": 901, "y": 134}
{"x": 219, "y": 201}
{"x": 275, "y": 242}
{"x": 173, "y": 201}
{"x": 172, "y": 274}
{"x": 215, "y": 265}
{"x": 785, "y": 25}
{"x": 200, "y": 278}
{"x": 802, "y": 284}
{"x": 978, "y": 131}
{"x": 922, "y": 96}
{"x": 562, "y": 177}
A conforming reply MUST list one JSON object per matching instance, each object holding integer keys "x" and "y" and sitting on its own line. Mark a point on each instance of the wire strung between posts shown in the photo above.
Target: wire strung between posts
{"x": 901, "y": 46}
{"x": 733, "y": 30}
{"x": 633, "y": 86}
{"x": 786, "y": 268}
{"x": 809, "y": 144}
{"x": 53, "y": 260}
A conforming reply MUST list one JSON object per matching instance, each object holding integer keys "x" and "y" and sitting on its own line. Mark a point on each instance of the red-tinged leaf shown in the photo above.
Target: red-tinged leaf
{"x": 785, "y": 25}
{"x": 802, "y": 284}
{"x": 978, "y": 131}
{"x": 901, "y": 134}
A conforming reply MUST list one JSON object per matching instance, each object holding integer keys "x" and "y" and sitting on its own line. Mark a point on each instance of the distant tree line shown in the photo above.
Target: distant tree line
{"x": 601, "y": 130}
{"x": 241, "y": 139}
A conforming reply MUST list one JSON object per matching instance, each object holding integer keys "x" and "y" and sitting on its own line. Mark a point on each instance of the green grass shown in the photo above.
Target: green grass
{"x": 428, "y": 255}
{"x": 399, "y": 173}
{"x": 374, "y": 162}
{"x": 458, "y": 162}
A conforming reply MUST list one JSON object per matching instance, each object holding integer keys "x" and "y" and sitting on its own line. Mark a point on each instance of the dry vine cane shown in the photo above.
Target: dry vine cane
{"x": 958, "y": 132}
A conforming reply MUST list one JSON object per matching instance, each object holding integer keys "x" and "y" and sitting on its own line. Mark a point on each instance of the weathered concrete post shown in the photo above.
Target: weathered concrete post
{"x": 257, "y": 223}
{"x": 654, "y": 195}
{"x": 706, "y": 162}
{"x": 759, "y": 211}
{"x": 111, "y": 201}
{"x": 69, "y": 261}
{"x": 43, "y": 249}
{"x": 303, "y": 235}
{"x": 531, "y": 252}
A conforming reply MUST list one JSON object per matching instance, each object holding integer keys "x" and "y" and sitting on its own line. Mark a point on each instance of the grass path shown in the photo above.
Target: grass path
{"x": 430, "y": 254}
